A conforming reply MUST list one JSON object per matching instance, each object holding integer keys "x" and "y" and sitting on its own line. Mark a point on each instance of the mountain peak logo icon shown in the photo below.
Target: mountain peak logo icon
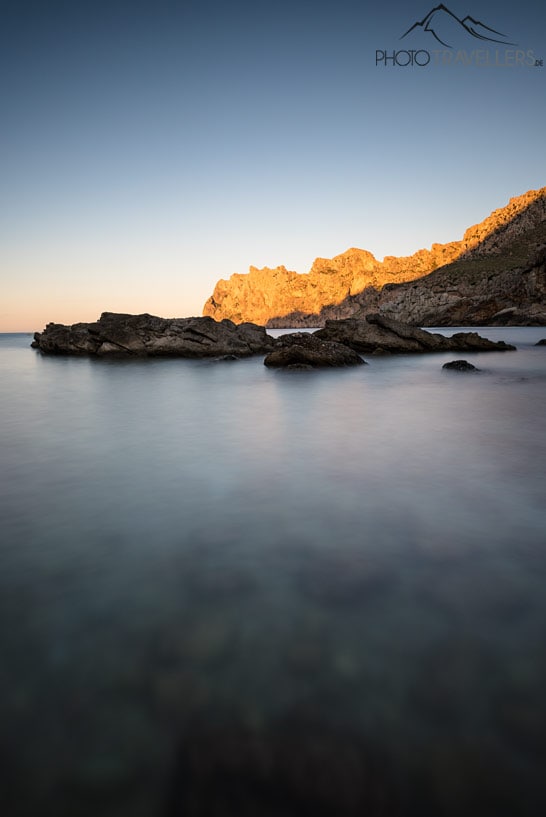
{"x": 445, "y": 26}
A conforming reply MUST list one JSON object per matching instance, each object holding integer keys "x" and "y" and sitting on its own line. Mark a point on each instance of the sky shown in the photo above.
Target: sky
{"x": 148, "y": 149}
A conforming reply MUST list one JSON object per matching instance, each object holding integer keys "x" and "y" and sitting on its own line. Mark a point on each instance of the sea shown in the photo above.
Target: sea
{"x": 230, "y": 590}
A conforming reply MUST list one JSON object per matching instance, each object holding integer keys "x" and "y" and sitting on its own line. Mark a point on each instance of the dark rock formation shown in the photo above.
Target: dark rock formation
{"x": 303, "y": 350}
{"x": 508, "y": 289}
{"x": 377, "y": 334}
{"x": 150, "y": 336}
{"x": 460, "y": 366}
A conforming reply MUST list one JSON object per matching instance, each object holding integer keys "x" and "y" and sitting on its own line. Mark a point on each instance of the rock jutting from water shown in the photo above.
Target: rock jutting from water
{"x": 145, "y": 335}
{"x": 340, "y": 343}
{"x": 460, "y": 366}
{"x": 377, "y": 334}
{"x": 303, "y": 350}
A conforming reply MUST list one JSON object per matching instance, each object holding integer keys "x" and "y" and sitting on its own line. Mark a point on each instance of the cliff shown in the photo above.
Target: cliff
{"x": 495, "y": 273}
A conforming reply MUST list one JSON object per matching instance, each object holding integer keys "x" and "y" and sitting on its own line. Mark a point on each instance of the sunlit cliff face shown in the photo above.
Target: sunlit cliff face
{"x": 265, "y": 294}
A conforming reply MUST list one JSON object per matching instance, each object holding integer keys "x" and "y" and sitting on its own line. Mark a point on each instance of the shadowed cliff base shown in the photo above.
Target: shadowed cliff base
{"x": 494, "y": 276}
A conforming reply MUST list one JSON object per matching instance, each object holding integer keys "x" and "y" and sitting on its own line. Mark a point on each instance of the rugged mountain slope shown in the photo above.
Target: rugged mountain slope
{"x": 508, "y": 287}
{"x": 497, "y": 267}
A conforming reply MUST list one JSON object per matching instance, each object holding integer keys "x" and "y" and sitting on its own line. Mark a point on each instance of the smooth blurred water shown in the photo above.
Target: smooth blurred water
{"x": 189, "y": 543}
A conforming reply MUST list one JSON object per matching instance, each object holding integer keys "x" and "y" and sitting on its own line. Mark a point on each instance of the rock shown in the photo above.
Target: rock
{"x": 178, "y": 694}
{"x": 290, "y": 768}
{"x": 541, "y": 342}
{"x": 266, "y": 293}
{"x": 504, "y": 290}
{"x": 299, "y": 367}
{"x": 472, "y": 342}
{"x": 517, "y": 718}
{"x": 307, "y": 350}
{"x": 460, "y": 366}
{"x": 149, "y": 336}
{"x": 456, "y": 665}
{"x": 307, "y": 654}
{"x": 208, "y": 641}
{"x": 225, "y": 582}
{"x": 377, "y": 334}
{"x": 373, "y": 335}
{"x": 344, "y": 579}
{"x": 494, "y": 275}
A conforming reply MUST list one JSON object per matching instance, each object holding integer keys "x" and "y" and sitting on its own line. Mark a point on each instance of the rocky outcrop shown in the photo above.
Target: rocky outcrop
{"x": 377, "y": 334}
{"x": 494, "y": 274}
{"x": 477, "y": 291}
{"x": 460, "y": 366}
{"x": 303, "y": 350}
{"x": 339, "y": 343}
{"x": 265, "y": 293}
{"x": 150, "y": 336}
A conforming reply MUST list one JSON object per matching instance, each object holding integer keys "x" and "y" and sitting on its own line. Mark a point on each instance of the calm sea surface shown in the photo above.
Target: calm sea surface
{"x": 203, "y": 548}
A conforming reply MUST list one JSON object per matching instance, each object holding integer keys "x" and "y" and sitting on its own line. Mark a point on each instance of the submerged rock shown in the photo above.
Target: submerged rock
{"x": 377, "y": 334}
{"x": 346, "y": 580}
{"x": 307, "y": 654}
{"x": 289, "y": 769}
{"x": 301, "y": 350}
{"x": 149, "y": 336}
{"x": 460, "y": 366}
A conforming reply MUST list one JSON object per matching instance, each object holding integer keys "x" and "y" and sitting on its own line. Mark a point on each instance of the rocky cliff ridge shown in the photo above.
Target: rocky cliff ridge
{"x": 494, "y": 274}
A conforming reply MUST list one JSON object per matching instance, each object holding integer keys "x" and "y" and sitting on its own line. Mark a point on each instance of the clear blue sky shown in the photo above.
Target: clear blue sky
{"x": 148, "y": 149}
